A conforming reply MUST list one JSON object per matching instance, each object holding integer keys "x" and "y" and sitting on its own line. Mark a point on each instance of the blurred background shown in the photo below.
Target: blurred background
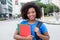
{"x": 10, "y": 15}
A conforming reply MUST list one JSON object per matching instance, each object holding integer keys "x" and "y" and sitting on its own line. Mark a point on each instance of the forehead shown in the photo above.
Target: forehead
{"x": 31, "y": 9}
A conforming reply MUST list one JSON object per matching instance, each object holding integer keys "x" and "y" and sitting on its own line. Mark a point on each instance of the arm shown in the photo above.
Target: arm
{"x": 18, "y": 37}
{"x": 45, "y": 36}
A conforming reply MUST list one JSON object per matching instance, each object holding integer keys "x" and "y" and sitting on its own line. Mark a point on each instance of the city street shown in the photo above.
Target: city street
{"x": 8, "y": 27}
{"x": 11, "y": 11}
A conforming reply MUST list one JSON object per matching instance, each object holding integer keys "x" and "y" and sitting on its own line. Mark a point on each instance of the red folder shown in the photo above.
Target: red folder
{"x": 24, "y": 30}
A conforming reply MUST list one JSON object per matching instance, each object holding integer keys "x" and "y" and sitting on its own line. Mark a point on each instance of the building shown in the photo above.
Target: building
{"x": 6, "y": 7}
{"x": 9, "y": 8}
{"x": 16, "y": 8}
{"x": 56, "y": 2}
{"x": 0, "y": 9}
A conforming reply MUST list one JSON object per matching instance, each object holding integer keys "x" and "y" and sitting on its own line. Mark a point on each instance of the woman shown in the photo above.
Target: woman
{"x": 30, "y": 12}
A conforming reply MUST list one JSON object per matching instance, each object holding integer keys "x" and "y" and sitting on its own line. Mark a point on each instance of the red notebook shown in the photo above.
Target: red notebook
{"x": 24, "y": 30}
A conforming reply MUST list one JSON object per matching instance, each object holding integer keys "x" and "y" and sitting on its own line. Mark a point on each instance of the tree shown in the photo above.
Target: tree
{"x": 48, "y": 9}
{"x": 40, "y": 4}
{"x": 56, "y": 9}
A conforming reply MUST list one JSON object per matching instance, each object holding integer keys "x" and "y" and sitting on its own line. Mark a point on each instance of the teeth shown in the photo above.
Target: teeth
{"x": 31, "y": 17}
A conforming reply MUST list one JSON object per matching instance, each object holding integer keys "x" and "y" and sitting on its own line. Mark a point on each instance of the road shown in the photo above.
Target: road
{"x": 54, "y": 31}
{"x": 8, "y": 27}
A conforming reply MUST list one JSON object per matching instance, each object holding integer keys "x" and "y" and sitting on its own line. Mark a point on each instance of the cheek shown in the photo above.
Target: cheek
{"x": 35, "y": 14}
{"x": 27, "y": 15}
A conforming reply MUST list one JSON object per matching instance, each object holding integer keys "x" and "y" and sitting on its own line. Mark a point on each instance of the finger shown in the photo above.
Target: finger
{"x": 32, "y": 36}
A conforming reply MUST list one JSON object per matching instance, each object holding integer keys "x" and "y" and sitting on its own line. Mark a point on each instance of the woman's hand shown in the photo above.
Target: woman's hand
{"x": 45, "y": 36}
{"x": 30, "y": 37}
{"x": 36, "y": 29}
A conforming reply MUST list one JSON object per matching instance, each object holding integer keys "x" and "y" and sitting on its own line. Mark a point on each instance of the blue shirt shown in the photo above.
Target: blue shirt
{"x": 42, "y": 28}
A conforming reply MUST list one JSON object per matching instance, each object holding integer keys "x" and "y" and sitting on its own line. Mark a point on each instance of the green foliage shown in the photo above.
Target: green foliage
{"x": 56, "y": 9}
{"x": 19, "y": 15}
{"x": 40, "y": 4}
{"x": 1, "y": 19}
{"x": 22, "y": 3}
{"x": 48, "y": 9}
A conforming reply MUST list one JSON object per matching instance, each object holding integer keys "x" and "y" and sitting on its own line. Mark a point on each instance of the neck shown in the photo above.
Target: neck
{"x": 31, "y": 21}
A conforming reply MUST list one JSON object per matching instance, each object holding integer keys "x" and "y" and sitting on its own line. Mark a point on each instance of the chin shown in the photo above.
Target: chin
{"x": 32, "y": 19}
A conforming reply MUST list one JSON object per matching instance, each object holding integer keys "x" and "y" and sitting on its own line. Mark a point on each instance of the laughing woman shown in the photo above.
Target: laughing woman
{"x": 30, "y": 12}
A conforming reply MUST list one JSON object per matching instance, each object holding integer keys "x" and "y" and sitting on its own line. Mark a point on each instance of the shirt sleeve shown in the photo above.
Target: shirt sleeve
{"x": 43, "y": 28}
{"x": 22, "y": 22}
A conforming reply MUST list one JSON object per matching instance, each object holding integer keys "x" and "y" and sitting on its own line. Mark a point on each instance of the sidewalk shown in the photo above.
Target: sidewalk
{"x": 51, "y": 20}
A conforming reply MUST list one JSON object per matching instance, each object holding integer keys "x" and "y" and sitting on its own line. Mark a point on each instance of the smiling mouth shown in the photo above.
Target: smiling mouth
{"x": 32, "y": 17}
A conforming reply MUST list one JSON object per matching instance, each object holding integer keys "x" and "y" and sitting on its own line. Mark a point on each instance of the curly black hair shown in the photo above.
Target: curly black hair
{"x": 28, "y": 5}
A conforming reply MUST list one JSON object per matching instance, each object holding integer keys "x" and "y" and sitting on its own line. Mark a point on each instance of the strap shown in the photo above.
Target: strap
{"x": 38, "y": 25}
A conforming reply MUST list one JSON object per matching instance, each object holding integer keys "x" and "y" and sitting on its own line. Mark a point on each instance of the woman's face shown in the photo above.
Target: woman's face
{"x": 31, "y": 13}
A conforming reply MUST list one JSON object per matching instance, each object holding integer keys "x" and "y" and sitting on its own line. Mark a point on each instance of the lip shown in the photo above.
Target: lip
{"x": 32, "y": 16}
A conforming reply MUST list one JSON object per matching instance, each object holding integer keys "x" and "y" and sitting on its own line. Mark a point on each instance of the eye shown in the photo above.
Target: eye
{"x": 33, "y": 11}
{"x": 28, "y": 12}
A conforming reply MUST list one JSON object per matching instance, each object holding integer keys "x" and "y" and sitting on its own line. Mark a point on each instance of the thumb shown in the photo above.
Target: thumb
{"x": 32, "y": 36}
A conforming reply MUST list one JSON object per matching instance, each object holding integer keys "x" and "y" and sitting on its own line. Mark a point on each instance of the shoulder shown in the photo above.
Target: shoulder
{"x": 23, "y": 22}
{"x": 43, "y": 28}
{"x": 43, "y": 25}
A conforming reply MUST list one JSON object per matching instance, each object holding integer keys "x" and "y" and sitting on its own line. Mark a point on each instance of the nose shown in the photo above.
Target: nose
{"x": 31, "y": 13}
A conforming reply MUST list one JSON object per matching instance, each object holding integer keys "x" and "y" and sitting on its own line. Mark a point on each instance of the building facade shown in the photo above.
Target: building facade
{"x": 10, "y": 8}
{"x": 6, "y": 7}
{"x": 56, "y": 2}
{"x": 16, "y": 8}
